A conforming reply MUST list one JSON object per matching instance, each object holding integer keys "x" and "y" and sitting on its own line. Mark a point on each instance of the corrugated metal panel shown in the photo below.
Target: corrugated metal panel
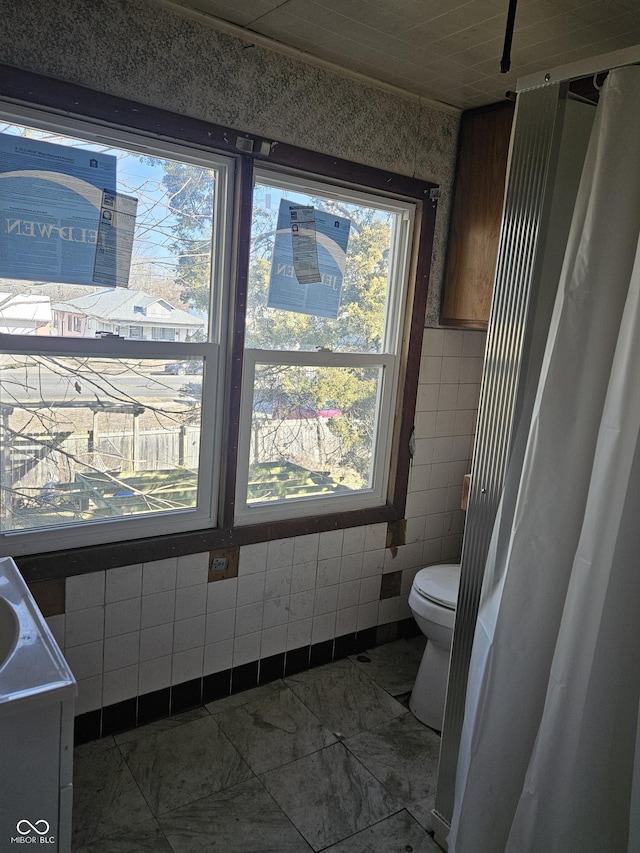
{"x": 531, "y": 161}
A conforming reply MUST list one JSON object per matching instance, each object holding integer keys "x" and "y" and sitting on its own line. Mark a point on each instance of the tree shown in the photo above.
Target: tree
{"x": 359, "y": 327}
{"x": 173, "y": 252}
{"x": 190, "y": 191}
{"x": 85, "y": 437}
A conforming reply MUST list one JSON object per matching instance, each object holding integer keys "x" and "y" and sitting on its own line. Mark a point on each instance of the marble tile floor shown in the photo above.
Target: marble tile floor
{"x": 327, "y": 760}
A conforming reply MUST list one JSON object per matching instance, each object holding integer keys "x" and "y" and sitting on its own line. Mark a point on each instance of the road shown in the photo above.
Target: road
{"x": 18, "y": 385}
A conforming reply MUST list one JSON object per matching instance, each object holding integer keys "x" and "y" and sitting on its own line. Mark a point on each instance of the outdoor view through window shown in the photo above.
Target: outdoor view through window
{"x": 326, "y": 290}
{"x": 106, "y": 257}
{"x": 115, "y": 313}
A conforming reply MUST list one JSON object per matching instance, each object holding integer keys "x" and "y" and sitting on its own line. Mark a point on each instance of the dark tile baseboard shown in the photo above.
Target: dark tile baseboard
{"x": 148, "y": 707}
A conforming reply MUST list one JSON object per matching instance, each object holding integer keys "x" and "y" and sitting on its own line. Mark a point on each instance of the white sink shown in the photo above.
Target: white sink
{"x": 9, "y": 629}
{"x": 37, "y": 699}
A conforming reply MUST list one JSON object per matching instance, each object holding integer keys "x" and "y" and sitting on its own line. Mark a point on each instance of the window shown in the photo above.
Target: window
{"x": 327, "y": 293}
{"x": 160, "y": 334}
{"x": 100, "y": 441}
{"x": 178, "y": 358}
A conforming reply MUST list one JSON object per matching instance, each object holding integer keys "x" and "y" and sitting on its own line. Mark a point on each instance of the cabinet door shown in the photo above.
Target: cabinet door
{"x": 476, "y": 215}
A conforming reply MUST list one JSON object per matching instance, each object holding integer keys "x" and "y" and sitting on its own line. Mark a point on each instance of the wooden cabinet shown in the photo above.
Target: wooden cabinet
{"x": 476, "y": 215}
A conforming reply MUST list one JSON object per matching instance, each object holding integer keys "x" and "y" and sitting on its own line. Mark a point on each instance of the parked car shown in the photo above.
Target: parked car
{"x": 286, "y": 409}
{"x": 309, "y": 412}
{"x": 182, "y": 368}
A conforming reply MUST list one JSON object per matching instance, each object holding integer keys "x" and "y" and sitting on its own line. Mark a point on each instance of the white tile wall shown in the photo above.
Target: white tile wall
{"x": 119, "y": 685}
{"x": 123, "y": 616}
{"x": 123, "y": 583}
{"x": 250, "y": 588}
{"x": 191, "y": 601}
{"x": 121, "y": 651}
{"x": 222, "y": 595}
{"x": 220, "y": 625}
{"x": 274, "y": 641}
{"x": 276, "y": 612}
{"x": 218, "y": 656}
{"x": 299, "y": 633}
{"x": 189, "y": 634}
{"x": 445, "y": 421}
{"x": 187, "y": 665}
{"x": 192, "y": 570}
{"x": 57, "y": 627}
{"x": 156, "y": 642}
{"x": 305, "y": 548}
{"x": 373, "y": 561}
{"x": 140, "y": 628}
{"x": 346, "y": 620}
{"x": 253, "y": 559}
{"x": 84, "y": 626}
{"x": 159, "y": 576}
{"x": 279, "y": 553}
{"x": 323, "y": 627}
{"x": 84, "y": 591}
{"x": 154, "y": 674}
{"x": 246, "y": 648}
{"x": 328, "y": 572}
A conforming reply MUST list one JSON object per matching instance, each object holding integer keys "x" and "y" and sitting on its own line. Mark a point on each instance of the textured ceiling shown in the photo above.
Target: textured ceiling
{"x": 445, "y": 50}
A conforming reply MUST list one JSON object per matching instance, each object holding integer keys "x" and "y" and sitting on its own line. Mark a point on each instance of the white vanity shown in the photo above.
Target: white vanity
{"x": 37, "y": 698}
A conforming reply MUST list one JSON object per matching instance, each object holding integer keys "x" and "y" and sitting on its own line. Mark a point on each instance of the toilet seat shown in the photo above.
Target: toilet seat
{"x": 439, "y": 584}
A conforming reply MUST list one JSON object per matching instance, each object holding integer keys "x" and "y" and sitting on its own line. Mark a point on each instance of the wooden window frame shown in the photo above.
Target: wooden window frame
{"x": 37, "y": 91}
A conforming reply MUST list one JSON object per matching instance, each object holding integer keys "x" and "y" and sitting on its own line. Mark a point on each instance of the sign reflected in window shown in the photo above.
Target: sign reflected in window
{"x": 111, "y": 249}
{"x": 327, "y": 287}
{"x": 61, "y": 218}
{"x": 309, "y": 257}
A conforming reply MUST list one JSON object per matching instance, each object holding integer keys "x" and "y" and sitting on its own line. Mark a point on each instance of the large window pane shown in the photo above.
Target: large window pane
{"x": 85, "y": 439}
{"x": 113, "y": 269}
{"x": 312, "y": 431}
{"x": 57, "y": 274}
{"x": 327, "y": 288}
{"x": 360, "y": 298}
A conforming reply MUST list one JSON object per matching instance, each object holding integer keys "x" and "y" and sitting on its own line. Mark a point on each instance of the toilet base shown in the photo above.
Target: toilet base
{"x": 430, "y": 688}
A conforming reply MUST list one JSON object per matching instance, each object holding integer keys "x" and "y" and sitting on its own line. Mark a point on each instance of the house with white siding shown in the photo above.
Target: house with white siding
{"x": 25, "y": 314}
{"x": 130, "y": 314}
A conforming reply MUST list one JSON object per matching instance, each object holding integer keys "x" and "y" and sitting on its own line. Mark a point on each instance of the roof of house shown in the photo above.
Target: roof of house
{"x": 126, "y": 306}
{"x": 28, "y": 307}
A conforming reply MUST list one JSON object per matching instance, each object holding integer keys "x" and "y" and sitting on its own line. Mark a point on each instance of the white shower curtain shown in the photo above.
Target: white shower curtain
{"x": 550, "y": 759}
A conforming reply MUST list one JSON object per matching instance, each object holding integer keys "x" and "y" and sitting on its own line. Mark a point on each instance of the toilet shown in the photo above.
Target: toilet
{"x": 433, "y": 598}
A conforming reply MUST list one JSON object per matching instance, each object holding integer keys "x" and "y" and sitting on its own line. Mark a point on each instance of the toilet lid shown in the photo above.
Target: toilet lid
{"x": 439, "y": 584}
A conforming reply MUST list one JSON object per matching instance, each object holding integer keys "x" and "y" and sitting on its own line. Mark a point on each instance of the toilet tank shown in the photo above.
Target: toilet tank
{"x": 37, "y": 701}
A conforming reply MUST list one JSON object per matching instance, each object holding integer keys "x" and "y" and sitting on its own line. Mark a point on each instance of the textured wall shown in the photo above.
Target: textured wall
{"x": 154, "y": 53}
